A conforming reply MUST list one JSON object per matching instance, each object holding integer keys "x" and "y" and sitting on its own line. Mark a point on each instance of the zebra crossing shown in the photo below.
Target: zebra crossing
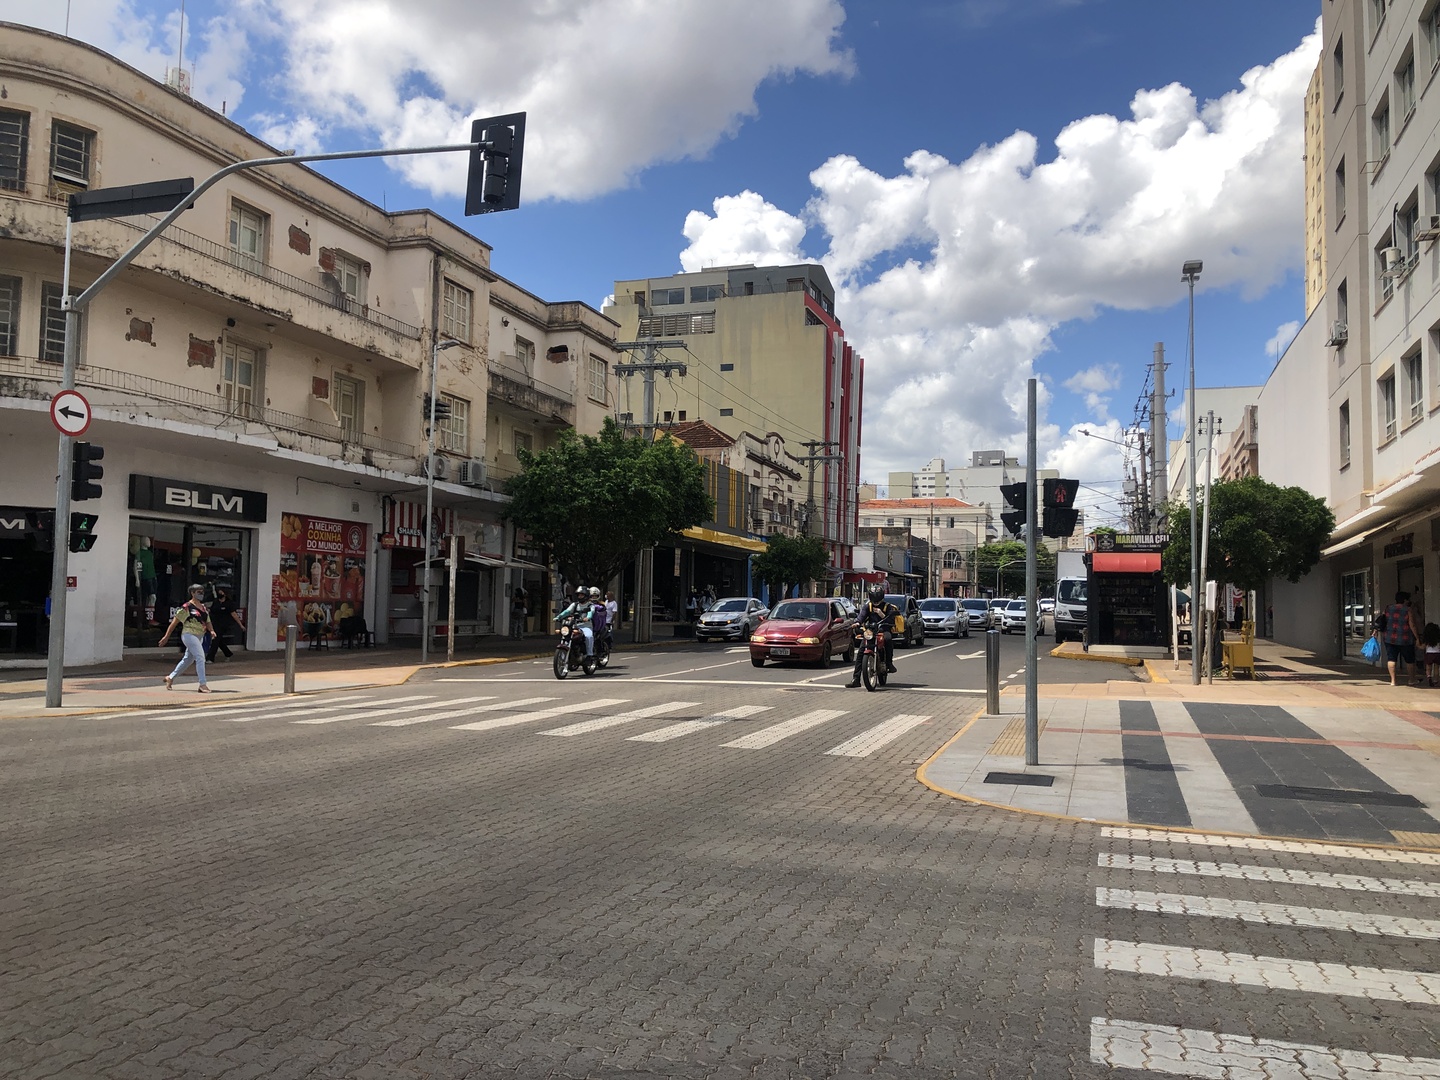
{"x": 1134, "y": 1043}
{"x": 482, "y": 713}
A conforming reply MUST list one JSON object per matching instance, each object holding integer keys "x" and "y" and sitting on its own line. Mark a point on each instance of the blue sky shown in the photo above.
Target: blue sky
{"x": 998, "y": 188}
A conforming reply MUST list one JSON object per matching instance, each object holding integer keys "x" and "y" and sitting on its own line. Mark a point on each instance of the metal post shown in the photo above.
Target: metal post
{"x": 290, "y": 633}
{"x": 450, "y": 616}
{"x": 1205, "y": 550}
{"x": 1159, "y": 443}
{"x": 1189, "y": 272}
{"x": 60, "y": 531}
{"x": 1032, "y": 526}
{"x": 992, "y": 672}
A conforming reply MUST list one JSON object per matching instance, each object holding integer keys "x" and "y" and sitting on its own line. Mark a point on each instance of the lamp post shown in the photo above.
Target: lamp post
{"x": 440, "y": 346}
{"x": 1188, "y": 274}
{"x": 1000, "y": 568}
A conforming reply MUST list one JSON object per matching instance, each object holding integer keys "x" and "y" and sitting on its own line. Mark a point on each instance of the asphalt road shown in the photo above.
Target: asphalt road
{"x": 682, "y": 867}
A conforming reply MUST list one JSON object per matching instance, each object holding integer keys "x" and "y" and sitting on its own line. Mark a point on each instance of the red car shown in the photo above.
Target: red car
{"x": 812, "y": 629}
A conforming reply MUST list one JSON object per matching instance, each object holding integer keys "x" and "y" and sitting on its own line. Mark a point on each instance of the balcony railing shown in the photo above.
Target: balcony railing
{"x": 209, "y": 408}
{"x": 545, "y": 402}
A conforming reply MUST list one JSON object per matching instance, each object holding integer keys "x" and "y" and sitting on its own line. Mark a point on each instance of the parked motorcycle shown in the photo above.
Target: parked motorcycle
{"x": 870, "y": 644}
{"x": 570, "y": 652}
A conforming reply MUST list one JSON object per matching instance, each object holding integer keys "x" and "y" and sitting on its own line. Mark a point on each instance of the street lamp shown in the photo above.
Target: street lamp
{"x": 440, "y": 346}
{"x": 1188, "y": 274}
{"x": 1001, "y": 567}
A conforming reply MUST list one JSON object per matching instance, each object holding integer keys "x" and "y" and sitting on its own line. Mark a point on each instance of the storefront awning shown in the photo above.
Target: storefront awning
{"x": 873, "y": 576}
{"x": 730, "y": 540}
{"x": 405, "y": 521}
{"x": 1125, "y": 562}
{"x": 482, "y": 561}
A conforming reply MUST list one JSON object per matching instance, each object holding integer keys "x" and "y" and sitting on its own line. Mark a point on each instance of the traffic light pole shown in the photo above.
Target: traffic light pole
{"x": 60, "y": 569}
{"x": 1032, "y": 615}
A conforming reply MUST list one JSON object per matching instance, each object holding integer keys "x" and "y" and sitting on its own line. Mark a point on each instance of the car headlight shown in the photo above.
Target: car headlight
{"x": 807, "y": 641}
{"x": 758, "y": 639}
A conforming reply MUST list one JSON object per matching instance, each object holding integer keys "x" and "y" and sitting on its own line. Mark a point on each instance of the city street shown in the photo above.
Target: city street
{"x": 681, "y": 867}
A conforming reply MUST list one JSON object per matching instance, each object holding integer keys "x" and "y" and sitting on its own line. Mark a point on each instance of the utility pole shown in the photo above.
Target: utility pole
{"x": 1209, "y": 616}
{"x": 1159, "y": 442}
{"x": 646, "y": 368}
{"x": 812, "y": 458}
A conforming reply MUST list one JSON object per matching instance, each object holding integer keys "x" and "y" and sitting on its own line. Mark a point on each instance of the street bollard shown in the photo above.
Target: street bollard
{"x": 992, "y": 672}
{"x": 290, "y": 632}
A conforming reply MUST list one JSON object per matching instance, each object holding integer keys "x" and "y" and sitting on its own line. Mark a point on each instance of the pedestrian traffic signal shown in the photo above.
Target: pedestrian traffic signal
{"x": 40, "y": 527}
{"x": 1059, "y": 516}
{"x": 1014, "y": 495}
{"x": 1061, "y": 492}
{"x": 494, "y": 180}
{"x": 82, "y": 531}
{"x": 85, "y": 479}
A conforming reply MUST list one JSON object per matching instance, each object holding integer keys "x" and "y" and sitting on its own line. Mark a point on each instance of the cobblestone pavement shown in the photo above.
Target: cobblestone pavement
{"x": 625, "y": 879}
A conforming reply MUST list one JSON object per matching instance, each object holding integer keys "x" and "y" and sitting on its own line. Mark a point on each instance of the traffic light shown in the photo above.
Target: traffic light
{"x": 82, "y": 531}
{"x": 1014, "y": 495}
{"x": 442, "y": 409}
{"x": 40, "y": 526}
{"x": 1060, "y": 516}
{"x": 84, "y": 480}
{"x": 494, "y": 180}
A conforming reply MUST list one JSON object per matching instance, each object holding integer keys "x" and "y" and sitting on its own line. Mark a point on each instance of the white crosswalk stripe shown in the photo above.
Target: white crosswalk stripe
{"x": 585, "y": 727}
{"x": 758, "y": 740}
{"x": 688, "y": 727}
{"x": 1133, "y": 1043}
{"x": 313, "y": 707}
{"x": 382, "y": 709}
{"x": 867, "y": 742}
{"x": 543, "y": 714}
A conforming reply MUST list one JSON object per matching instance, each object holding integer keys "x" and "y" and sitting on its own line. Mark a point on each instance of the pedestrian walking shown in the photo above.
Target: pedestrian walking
{"x": 519, "y": 611}
{"x": 192, "y": 619}
{"x": 225, "y": 617}
{"x": 1399, "y": 633}
{"x": 1431, "y": 637}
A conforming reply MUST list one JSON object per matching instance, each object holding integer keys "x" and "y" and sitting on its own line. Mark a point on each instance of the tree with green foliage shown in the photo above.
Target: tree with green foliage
{"x": 1258, "y": 531}
{"x": 1006, "y": 558}
{"x": 596, "y": 500}
{"x": 790, "y": 560}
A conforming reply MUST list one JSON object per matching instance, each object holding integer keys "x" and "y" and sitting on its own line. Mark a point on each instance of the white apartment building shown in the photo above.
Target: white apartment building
{"x": 257, "y": 377}
{"x": 1356, "y": 398}
{"x": 1229, "y": 405}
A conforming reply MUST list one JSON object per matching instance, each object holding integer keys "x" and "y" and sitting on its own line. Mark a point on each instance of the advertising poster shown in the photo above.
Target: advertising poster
{"x": 322, "y": 571}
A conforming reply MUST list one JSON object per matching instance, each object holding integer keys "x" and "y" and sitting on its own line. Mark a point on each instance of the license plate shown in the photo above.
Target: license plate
{"x": 779, "y": 650}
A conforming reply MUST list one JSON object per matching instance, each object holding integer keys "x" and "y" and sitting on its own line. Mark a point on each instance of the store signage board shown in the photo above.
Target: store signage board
{"x": 189, "y": 499}
{"x": 70, "y": 413}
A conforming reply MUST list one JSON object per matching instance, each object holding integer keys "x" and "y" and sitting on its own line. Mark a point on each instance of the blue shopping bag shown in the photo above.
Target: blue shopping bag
{"x": 1371, "y": 649}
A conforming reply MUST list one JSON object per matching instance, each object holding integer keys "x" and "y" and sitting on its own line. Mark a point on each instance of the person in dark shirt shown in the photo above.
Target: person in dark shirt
{"x": 224, "y": 616}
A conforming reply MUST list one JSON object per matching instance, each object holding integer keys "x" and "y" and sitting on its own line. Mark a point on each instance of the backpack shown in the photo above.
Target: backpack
{"x": 599, "y": 617}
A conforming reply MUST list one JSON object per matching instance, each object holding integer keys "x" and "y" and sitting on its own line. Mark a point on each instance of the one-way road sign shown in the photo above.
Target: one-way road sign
{"x": 70, "y": 413}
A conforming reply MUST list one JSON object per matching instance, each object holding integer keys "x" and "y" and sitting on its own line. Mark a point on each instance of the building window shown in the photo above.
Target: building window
{"x": 350, "y": 406}
{"x": 239, "y": 378}
{"x": 727, "y": 412}
{"x": 703, "y": 294}
{"x": 661, "y": 297}
{"x": 455, "y": 307}
{"x": 890, "y": 523}
{"x": 1384, "y": 273}
{"x": 1414, "y": 385}
{"x": 525, "y": 354}
{"x": 14, "y": 141}
{"x": 1377, "y": 15}
{"x": 248, "y": 228}
{"x": 1344, "y": 434}
{"x": 1387, "y": 406}
{"x": 1409, "y": 223}
{"x": 727, "y": 367}
{"x": 349, "y": 274}
{"x": 599, "y": 379}
{"x": 1380, "y": 135}
{"x": 1340, "y": 191}
{"x": 1338, "y": 67}
{"x": 452, "y": 433}
{"x": 524, "y": 440}
{"x": 52, "y": 323}
{"x": 1342, "y": 303}
{"x": 1405, "y": 89}
{"x": 70, "y": 149}
{"x": 1430, "y": 28}
{"x": 9, "y": 315}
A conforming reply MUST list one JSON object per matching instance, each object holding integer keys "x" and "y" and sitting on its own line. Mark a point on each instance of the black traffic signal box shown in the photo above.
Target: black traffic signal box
{"x": 84, "y": 480}
{"x": 494, "y": 180}
{"x": 82, "y": 531}
{"x": 1060, "y": 517}
{"x": 1014, "y": 522}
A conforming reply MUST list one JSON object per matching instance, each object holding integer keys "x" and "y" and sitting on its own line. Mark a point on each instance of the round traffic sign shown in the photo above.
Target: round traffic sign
{"x": 70, "y": 412}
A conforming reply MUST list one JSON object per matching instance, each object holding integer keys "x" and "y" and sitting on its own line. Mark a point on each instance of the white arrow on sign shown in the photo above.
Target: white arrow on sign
{"x": 70, "y": 412}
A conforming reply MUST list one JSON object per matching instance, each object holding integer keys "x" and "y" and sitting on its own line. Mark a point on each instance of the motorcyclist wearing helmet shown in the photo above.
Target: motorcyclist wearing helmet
{"x": 599, "y": 614}
{"x": 879, "y": 616}
{"x": 583, "y": 611}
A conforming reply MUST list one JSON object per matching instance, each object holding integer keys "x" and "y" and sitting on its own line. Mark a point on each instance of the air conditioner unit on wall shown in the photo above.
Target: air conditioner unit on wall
{"x": 442, "y": 467}
{"x": 1428, "y": 227}
{"x": 1392, "y": 258}
{"x": 1339, "y": 334}
{"x": 472, "y": 472}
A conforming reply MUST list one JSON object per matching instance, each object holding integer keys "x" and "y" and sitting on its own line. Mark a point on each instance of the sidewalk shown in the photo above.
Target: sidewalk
{"x": 1307, "y": 750}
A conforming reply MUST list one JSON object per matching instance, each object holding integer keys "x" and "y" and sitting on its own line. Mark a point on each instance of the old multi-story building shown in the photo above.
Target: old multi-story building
{"x": 1352, "y": 411}
{"x": 950, "y": 529}
{"x": 764, "y": 352}
{"x": 257, "y": 376}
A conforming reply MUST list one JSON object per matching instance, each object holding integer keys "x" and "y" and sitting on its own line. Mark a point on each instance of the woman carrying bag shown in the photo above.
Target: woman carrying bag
{"x": 193, "y": 621}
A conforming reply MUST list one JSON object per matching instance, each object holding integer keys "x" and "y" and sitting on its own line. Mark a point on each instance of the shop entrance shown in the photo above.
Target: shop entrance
{"x": 24, "y": 583}
{"x": 166, "y": 557}
{"x": 1357, "y": 611}
{"x": 1410, "y": 578}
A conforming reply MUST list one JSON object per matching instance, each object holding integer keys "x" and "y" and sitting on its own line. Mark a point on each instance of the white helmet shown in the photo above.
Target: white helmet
{"x": 594, "y": 593}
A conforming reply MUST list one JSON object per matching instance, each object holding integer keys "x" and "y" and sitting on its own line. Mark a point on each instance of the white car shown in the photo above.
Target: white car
{"x": 1013, "y": 617}
{"x": 944, "y": 615}
{"x": 734, "y": 617}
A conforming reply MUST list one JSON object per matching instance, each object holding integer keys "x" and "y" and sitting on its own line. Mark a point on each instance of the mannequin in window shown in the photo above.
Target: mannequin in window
{"x": 145, "y": 565}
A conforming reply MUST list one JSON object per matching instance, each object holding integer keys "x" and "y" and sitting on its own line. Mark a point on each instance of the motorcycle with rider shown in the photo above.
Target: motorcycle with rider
{"x": 875, "y": 640}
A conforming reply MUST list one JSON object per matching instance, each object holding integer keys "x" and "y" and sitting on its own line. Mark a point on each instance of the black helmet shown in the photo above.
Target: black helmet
{"x": 877, "y": 593}
{"x": 582, "y": 593}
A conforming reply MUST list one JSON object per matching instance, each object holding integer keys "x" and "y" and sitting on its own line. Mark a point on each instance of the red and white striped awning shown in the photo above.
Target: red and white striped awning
{"x": 406, "y": 522}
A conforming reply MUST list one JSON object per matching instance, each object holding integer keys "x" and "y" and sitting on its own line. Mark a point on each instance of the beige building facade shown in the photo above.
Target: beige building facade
{"x": 258, "y": 377}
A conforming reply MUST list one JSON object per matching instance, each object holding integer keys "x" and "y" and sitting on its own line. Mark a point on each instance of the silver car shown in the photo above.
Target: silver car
{"x": 944, "y": 615}
{"x": 734, "y": 617}
{"x": 978, "y": 608}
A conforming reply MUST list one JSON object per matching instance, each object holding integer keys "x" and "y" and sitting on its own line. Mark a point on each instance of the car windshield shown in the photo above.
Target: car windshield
{"x": 1016, "y": 605}
{"x": 974, "y": 605}
{"x": 730, "y": 605}
{"x": 896, "y": 599}
{"x": 801, "y": 611}
{"x": 937, "y": 605}
{"x": 1073, "y": 591}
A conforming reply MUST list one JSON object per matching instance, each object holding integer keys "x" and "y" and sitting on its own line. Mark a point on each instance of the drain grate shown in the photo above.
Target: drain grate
{"x": 1336, "y": 795}
{"x": 1023, "y": 779}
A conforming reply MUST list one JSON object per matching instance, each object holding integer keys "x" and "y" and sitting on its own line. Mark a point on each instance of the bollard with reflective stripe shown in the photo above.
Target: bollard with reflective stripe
{"x": 992, "y": 672}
